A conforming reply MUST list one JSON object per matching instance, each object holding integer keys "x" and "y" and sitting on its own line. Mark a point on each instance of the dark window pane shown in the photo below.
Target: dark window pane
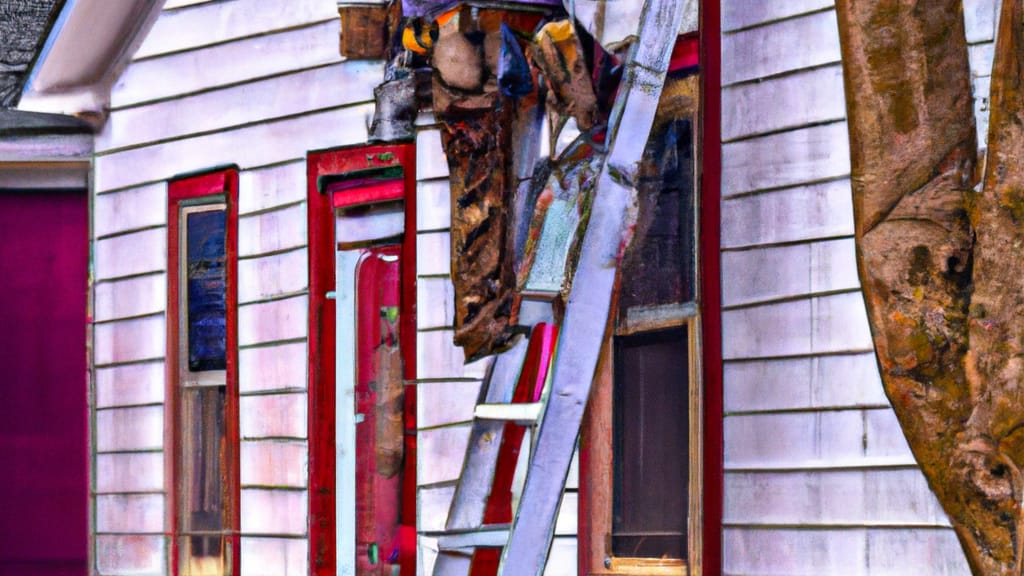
{"x": 207, "y": 305}
{"x": 651, "y": 445}
{"x": 205, "y": 445}
{"x": 660, "y": 265}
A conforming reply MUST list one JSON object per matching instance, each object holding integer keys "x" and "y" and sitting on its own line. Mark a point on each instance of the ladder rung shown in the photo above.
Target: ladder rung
{"x": 520, "y": 412}
{"x": 485, "y": 537}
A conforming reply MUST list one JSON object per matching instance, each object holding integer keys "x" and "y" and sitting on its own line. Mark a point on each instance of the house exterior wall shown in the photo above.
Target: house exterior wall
{"x": 818, "y": 476}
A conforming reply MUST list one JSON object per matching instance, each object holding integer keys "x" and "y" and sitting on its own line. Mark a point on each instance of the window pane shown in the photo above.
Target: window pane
{"x": 651, "y": 445}
{"x": 204, "y": 459}
{"x": 207, "y": 305}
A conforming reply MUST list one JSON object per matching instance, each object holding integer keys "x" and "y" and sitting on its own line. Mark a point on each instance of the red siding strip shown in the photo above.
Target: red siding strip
{"x": 380, "y": 192}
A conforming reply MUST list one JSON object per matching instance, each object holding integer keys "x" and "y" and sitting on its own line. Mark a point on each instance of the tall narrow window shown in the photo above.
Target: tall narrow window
{"x": 203, "y": 360}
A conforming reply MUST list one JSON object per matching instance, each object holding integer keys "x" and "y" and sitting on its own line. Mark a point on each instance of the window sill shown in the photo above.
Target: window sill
{"x": 642, "y": 566}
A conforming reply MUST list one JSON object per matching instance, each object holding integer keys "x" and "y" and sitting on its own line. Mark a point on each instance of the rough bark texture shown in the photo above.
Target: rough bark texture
{"x": 938, "y": 261}
{"x": 22, "y": 25}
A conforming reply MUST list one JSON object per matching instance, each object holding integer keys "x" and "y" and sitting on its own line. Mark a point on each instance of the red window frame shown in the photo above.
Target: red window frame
{"x": 220, "y": 185}
{"x": 322, "y": 333}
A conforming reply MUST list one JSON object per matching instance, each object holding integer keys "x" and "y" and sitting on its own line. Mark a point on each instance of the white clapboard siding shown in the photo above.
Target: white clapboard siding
{"x": 128, "y": 472}
{"x": 265, "y": 188}
{"x": 737, "y": 15}
{"x": 778, "y": 47}
{"x": 273, "y": 511}
{"x": 248, "y": 147}
{"x": 130, "y": 340}
{"x": 898, "y": 496}
{"x": 980, "y": 18}
{"x": 806, "y": 383}
{"x": 435, "y": 303}
{"x": 285, "y": 95}
{"x": 820, "y": 440}
{"x": 203, "y": 24}
{"x": 126, "y": 429}
{"x": 274, "y": 463}
{"x": 136, "y": 296}
{"x": 130, "y": 209}
{"x": 823, "y": 324}
{"x": 130, "y": 554}
{"x": 272, "y": 416}
{"x": 430, "y": 159}
{"x": 275, "y": 274}
{"x": 795, "y": 214}
{"x": 443, "y": 402}
{"x": 130, "y": 384}
{"x": 266, "y": 556}
{"x": 273, "y": 231}
{"x": 437, "y": 356}
{"x": 801, "y": 98}
{"x": 433, "y": 253}
{"x": 562, "y": 559}
{"x": 277, "y": 367}
{"x": 440, "y": 453}
{"x": 788, "y": 271}
{"x": 223, "y": 64}
{"x": 272, "y": 321}
{"x": 138, "y": 513}
{"x": 129, "y": 254}
{"x": 433, "y": 205}
{"x": 174, "y": 4}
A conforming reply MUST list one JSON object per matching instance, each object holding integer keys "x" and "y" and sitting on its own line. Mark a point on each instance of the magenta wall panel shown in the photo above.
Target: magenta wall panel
{"x": 43, "y": 412}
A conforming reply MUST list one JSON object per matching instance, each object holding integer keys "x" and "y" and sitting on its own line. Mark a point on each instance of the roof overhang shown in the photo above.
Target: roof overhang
{"x": 86, "y": 50}
{"x": 43, "y": 151}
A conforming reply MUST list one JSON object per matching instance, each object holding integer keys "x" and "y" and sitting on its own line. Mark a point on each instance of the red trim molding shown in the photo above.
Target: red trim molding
{"x": 325, "y": 166}
{"x": 222, "y": 183}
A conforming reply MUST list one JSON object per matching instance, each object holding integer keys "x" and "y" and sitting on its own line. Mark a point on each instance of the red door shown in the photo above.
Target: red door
{"x": 43, "y": 413}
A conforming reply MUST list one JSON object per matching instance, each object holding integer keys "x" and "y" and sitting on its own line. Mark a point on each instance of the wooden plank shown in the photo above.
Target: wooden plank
{"x": 524, "y": 413}
{"x": 28, "y": 176}
{"x": 273, "y": 511}
{"x": 267, "y": 368}
{"x": 271, "y": 276}
{"x": 980, "y": 18}
{"x": 205, "y": 24}
{"x": 792, "y": 441}
{"x": 930, "y": 551}
{"x": 130, "y": 554}
{"x": 435, "y": 303}
{"x": 174, "y": 4}
{"x": 273, "y": 231}
{"x": 272, "y": 321}
{"x": 274, "y": 556}
{"x": 842, "y": 381}
{"x": 899, "y": 497}
{"x": 121, "y": 429}
{"x": 568, "y": 516}
{"x": 433, "y": 503}
{"x": 794, "y": 44}
{"x": 980, "y": 57}
{"x": 131, "y": 384}
{"x": 433, "y": 253}
{"x": 265, "y": 188}
{"x": 46, "y": 148}
{"x": 740, "y": 14}
{"x": 440, "y": 453}
{"x": 815, "y": 325}
{"x": 430, "y": 159}
{"x": 562, "y": 558}
{"x": 277, "y": 463}
{"x": 795, "y": 551}
{"x": 136, "y": 253}
{"x": 272, "y": 416}
{"x": 229, "y": 63}
{"x": 763, "y": 274}
{"x": 788, "y": 215}
{"x": 248, "y": 147}
{"x": 130, "y": 297}
{"x": 981, "y": 87}
{"x": 285, "y": 95}
{"x": 438, "y": 357}
{"x": 808, "y": 97}
{"x": 139, "y": 472}
{"x": 786, "y": 159}
{"x": 439, "y": 403}
{"x": 130, "y": 340}
{"x": 136, "y": 513}
{"x": 433, "y": 205}
{"x": 129, "y": 209}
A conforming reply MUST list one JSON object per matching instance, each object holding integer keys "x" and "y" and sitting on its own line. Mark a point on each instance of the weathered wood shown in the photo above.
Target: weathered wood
{"x": 780, "y": 47}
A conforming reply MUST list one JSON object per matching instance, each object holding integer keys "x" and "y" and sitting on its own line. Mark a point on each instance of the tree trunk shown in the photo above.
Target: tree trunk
{"x": 938, "y": 261}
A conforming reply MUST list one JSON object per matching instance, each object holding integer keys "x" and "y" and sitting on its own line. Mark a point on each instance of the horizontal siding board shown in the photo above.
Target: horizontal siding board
{"x": 233, "y": 62}
{"x": 274, "y": 556}
{"x": 430, "y": 159}
{"x": 783, "y": 46}
{"x": 272, "y": 231}
{"x": 272, "y": 276}
{"x": 118, "y": 554}
{"x": 265, "y": 188}
{"x": 850, "y": 438}
{"x": 786, "y": 159}
{"x": 272, "y": 321}
{"x": 980, "y": 17}
{"x": 203, "y": 24}
{"x": 982, "y": 87}
{"x": 980, "y": 57}
{"x": 130, "y": 384}
{"x": 141, "y": 472}
{"x": 130, "y": 209}
{"x": 433, "y": 253}
{"x": 438, "y": 357}
{"x": 823, "y": 324}
{"x": 433, "y": 205}
{"x": 130, "y": 297}
{"x": 898, "y": 497}
{"x": 899, "y": 551}
{"x": 433, "y": 503}
{"x": 248, "y": 147}
{"x": 124, "y": 429}
{"x": 440, "y": 452}
{"x": 136, "y": 253}
{"x": 290, "y": 94}
{"x": 130, "y": 340}
{"x": 809, "y": 97}
{"x": 435, "y": 303}
{"x": 139, "y": 513}
{"x": 273, "y": 511}
{"x": 562, "y": 559}
{"x": 440, "y": 403}
{"x": 788, "y": 271}
{"x": 737, "y": 14}
{"x": 268, "y": 368}
{"x": 747, "y": 552}
{"x": 274, "y": 463}
{"x": 272, "y": 416}
{"x": 803, "y": 383}
{"x": 788, "y": 215}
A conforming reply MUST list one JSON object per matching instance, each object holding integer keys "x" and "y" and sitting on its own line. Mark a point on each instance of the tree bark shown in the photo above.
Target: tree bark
{"x": 938, "y": 261}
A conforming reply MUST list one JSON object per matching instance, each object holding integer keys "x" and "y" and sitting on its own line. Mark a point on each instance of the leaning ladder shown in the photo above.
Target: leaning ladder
{"x": 526, "y": 542}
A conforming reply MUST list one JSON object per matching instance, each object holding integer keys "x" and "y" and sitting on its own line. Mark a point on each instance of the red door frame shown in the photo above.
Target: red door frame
{"x": 219, "y": 182}
{"x": 321, "y": 366}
